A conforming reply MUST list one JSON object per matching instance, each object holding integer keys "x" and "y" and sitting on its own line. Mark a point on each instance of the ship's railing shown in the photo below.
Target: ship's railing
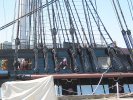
{"x": 88, "y": 84}
{"x": 48, "y": 45}
{"x": 94, "y": 86}
{"x": 87, "y": 89}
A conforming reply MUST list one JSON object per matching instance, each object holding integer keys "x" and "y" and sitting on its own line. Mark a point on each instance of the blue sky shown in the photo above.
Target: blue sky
{"x": 7, "y": 15}
{"x": 105, "y": 10}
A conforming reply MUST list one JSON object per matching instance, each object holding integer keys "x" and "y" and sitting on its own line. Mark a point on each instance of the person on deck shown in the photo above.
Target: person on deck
{"x": 63, "y": 64}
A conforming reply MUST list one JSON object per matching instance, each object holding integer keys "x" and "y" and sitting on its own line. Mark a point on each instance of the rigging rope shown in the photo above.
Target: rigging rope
{"x": 28, "y": 14}
{"x": 72, "y": 28}
{"x": 88, "y": 26}
{"x": 63, "y": 21}
{"x": 128, "y": 31}
{"x": 57, "y": 25}
{"x": 80, "y": 24}
{"x": 130, "y": 9}
{"x": 45, "y": 50}
{"x": 100, "y": 21}
{"x": 131, "y": 4}
{"x": 4, "y": 15}
{"x": 35, "y": 38}
{"x": 126, "y": 34}
{"x": 17, "y": 42}
{"x": 122, "y": 14}
{"x": 116, "y": 61}
{"x": 88, "y": 8}
{"x": 72, "y": 53}
{"x": 29, "y": 35}
{"x": 54, "y": 54}
{"x": 60, "y": 21}
{"x": 50, "y": 20}
{"x": 75, "y": 23}
{"x": 80, "y": 53}
{"x": 40, "y": 27}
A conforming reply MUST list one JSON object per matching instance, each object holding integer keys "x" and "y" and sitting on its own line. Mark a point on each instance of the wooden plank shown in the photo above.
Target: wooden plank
{"x": 86, "y": 75}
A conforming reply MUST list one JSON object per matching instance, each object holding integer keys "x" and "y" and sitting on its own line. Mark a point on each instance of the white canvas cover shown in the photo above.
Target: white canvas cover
{"x": 38, "y": 89}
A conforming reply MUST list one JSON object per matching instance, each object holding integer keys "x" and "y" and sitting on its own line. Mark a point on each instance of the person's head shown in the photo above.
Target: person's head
{"x": 64, "y": 59}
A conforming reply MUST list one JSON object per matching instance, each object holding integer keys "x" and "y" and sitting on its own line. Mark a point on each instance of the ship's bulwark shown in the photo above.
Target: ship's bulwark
{"x": 62, "y": 53}
{"x": 83, "y": 77}
{"x": 87, "y": 72}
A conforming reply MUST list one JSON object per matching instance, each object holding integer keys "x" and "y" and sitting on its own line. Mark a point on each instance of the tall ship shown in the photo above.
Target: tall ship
{"x": 68, "y": 40}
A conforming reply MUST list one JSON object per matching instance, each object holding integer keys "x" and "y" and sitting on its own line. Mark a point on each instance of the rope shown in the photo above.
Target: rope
{"x": 75, "y": 21}
{"x": 124, "y": 33}
{"x": 80, "y": 23}
{"x": 63, "y": 20}
{"x": 28, "y": 14}
{"x": 30, "y": 26}
{"x": 91, "y": 33}
{"x": 100, "y": 21}
{"x": 100, "y": 81}
{"x": 88, "y": 8}
{"x": 55, "y": 24}
{"x": 95, "y": 88}
{"x": 87, "y": 22}
{"x": 122, "y": 13}
{"x": 49, "y": 20}
{"x": 4, "y": 15}
{"x": 130, "y": 9}
{"x": 35, "y": 38}
{"x": 69, "y": 10}
{"x": 4, "y": 11}
{"x": 131, "y": 4}
{"x": 128, "y": 31}
{"x": 60, "y": 20}
{"x": 129, "y": 94}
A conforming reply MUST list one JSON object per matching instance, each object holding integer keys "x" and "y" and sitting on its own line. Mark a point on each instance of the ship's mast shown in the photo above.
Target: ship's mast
{"x": 24, "y": 25}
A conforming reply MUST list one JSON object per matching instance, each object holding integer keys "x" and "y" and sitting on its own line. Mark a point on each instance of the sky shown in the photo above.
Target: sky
{"x": 105, "y": 10}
